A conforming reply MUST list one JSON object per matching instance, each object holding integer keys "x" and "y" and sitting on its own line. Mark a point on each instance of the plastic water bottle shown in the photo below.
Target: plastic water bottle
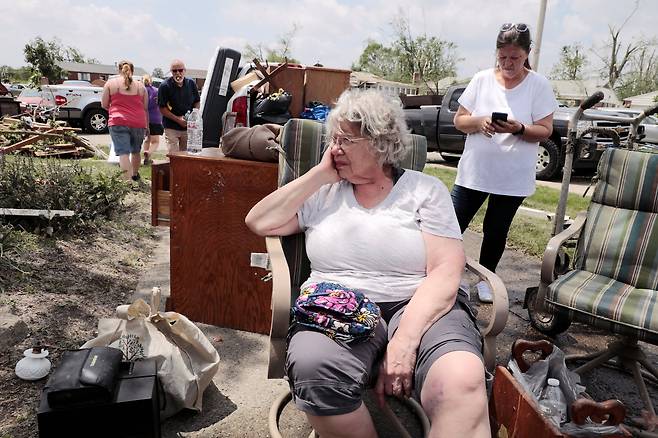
{"x": 553, "y": 404}
{"x": 194, "y": 132}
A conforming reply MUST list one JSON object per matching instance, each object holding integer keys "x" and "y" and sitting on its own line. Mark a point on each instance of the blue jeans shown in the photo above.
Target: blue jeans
{"x": 497, "y": 220}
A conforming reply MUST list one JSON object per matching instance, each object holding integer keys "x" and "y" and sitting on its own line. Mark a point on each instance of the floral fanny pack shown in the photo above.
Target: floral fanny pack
{"x": 341, "y": 313}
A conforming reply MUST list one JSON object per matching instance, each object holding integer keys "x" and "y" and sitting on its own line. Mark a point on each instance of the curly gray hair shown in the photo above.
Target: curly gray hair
{"x": 381, "y": 119}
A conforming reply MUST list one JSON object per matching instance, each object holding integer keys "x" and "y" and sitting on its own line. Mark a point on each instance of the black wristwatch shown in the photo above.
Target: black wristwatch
{"x": 520, "y": 131}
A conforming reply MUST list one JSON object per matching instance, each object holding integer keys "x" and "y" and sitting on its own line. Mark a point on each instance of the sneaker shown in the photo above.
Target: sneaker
{"x": 484, "y": 292}
{"x": 136, "y": 177}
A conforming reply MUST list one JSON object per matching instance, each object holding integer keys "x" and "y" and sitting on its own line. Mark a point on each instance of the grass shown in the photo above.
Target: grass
{"x": 528, "y": 234}
{"x": 101, "y": 164}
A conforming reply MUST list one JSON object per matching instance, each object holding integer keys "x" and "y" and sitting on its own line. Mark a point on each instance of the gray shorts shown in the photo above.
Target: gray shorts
{"x": 329, "y": 378}
{"x": 127, "y": 140}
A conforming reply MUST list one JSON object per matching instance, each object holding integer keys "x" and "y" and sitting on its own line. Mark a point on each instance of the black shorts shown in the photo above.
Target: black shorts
{"x": 156, "y": 129}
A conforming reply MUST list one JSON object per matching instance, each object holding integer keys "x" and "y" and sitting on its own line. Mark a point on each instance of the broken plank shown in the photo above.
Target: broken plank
{"x": 49, "y": 214}
{"x": 20, "y": 144}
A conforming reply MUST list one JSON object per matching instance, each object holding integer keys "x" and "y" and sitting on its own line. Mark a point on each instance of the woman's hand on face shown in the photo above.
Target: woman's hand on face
{"x": 396, "y": 371}
{"x": 327, "y": 167}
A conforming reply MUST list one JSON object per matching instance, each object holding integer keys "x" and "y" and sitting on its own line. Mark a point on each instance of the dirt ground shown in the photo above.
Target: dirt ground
{"x": 69, "y": 283}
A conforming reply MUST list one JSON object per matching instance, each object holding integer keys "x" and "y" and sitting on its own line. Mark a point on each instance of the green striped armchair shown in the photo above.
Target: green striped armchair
{"x": 614, "y": 281}
{"x": 302, "y": 144}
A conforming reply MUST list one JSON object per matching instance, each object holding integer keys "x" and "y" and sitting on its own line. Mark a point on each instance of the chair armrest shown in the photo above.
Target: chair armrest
{"x": 550, "y": 254}
{"x": 500, "y": 310}
{"x": 280, "y": 307}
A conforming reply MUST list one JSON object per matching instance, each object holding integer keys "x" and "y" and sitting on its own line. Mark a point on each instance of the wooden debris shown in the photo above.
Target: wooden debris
{"x": 66, "y": 143}
{"x": 48, "y": 214}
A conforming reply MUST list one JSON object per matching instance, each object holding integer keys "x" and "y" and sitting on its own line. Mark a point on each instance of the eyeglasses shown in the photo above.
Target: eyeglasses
{"x": 519, "y": 27}
{"x": 341, "y": 141}
{"x": 177, "y": 70}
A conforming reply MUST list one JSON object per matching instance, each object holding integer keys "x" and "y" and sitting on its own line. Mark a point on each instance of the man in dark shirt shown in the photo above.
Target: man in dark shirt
{"x": 176, "y": 96}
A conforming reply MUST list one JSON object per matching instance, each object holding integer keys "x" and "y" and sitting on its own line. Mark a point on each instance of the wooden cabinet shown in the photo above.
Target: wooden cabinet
{"x": 211, "y": 277}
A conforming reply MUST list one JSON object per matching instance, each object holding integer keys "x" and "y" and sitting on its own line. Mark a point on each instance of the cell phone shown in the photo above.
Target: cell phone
{"x": 495, "y": 117}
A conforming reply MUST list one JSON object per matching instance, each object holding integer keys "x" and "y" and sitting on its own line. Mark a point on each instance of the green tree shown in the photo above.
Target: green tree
{"x": 280, "y": 52}
{"x": 425, "y": 59}
{"x": 378, "y": 60}
{"x": 10, "y": 74}
{"x": 615, "y": 54}
{"x": 158, "y": 73}
{"x": 571, "y": 64}
{"x": 642, "y": 76}
{"x": 42, "y": 57}
{"x": 71, "y": 54}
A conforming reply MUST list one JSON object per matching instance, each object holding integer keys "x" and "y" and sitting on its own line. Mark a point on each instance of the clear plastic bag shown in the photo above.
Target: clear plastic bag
{"x": 553, "y": 365}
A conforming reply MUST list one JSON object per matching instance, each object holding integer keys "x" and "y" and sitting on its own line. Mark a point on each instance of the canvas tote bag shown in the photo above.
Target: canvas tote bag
{"x": 186, "y": 360}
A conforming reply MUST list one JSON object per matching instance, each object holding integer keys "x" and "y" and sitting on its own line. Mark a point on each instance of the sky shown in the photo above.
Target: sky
{"x": 333, "y": 32}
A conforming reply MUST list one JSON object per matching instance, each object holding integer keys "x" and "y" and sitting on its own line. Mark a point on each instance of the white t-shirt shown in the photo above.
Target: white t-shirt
{"x": 380, "y": 250}
{"x": 503, "y": 164}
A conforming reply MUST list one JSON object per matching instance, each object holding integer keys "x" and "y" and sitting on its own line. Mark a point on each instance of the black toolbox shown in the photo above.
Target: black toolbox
{"x": 133, "y": 412}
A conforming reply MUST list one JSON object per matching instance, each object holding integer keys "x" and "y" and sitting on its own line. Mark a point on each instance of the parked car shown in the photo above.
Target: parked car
{"x": 650, "y": 123}
{"x": 32, "y": 97}
{"x": 15, "y": 89}
{"x": 436, "y": 123}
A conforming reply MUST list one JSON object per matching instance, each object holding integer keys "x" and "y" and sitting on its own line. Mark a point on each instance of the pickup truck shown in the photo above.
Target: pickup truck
{"x": 78, "y": 105}
{"x": 436, "y": 123}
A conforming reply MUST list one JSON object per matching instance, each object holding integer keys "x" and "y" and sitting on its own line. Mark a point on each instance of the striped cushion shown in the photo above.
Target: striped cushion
{"x": 417, "y": 156}
{"x": 606, "y": 303}
{"x": 620, "y": 244}
{"x": 628, "y": 179}
{"x": 302, "y": 142}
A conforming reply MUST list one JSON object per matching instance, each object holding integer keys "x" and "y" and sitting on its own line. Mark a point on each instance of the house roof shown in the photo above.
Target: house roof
{"x": 359, "y": 78}
{"x": 94, "y": 68}
{"x": 581, "y": 89}
{"x": 642, "y": 101}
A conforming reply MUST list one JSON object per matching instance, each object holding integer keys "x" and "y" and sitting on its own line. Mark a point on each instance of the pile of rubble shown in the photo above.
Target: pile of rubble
{"x": 43, "y": 140}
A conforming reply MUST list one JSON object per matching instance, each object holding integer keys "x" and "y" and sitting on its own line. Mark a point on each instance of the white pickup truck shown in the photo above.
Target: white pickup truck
{"x": 78, "y": 105}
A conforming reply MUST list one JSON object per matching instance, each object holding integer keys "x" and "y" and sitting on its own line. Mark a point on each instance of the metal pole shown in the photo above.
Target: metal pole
{"x": 538, "y": 35}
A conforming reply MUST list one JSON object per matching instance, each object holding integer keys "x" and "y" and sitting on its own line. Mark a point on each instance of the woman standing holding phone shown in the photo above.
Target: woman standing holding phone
{"x": 506, "y": 111}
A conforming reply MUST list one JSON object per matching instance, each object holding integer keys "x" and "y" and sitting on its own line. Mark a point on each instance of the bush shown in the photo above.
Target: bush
{"x": 52, "y": 184}
{"x": 9, "y": 248}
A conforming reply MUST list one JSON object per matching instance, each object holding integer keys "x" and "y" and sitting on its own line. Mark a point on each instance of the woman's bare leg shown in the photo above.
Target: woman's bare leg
{"x": 126, "y": 166}
{"x": 455, "y": 397}
{"x": 356, "y": 424}
{"x": 135, "y": 162}
{"x": 154, "y": 141}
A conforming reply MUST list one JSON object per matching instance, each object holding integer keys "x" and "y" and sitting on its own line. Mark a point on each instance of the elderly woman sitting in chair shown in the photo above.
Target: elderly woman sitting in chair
{"x": 392, "y": 234}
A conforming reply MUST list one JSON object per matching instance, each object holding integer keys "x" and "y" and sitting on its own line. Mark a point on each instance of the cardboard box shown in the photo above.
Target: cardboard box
{"x": 325, "y": 85}
{"x": 254, "y": 75}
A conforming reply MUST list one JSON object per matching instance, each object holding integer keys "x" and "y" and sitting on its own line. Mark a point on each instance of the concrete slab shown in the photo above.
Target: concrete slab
{"x": 237, "y": 402}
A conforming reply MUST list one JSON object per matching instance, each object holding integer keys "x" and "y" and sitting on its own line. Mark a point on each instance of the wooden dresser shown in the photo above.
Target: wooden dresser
{"x": 211, "y": 277}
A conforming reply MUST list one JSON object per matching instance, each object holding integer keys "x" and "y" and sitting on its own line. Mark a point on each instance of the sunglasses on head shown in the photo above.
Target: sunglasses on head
{"x": 519, "y": 27}
{"x": 177, "y": 70}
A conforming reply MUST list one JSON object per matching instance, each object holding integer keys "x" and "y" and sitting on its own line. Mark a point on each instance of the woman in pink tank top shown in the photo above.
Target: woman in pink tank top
{"x": 126, "y": 101}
